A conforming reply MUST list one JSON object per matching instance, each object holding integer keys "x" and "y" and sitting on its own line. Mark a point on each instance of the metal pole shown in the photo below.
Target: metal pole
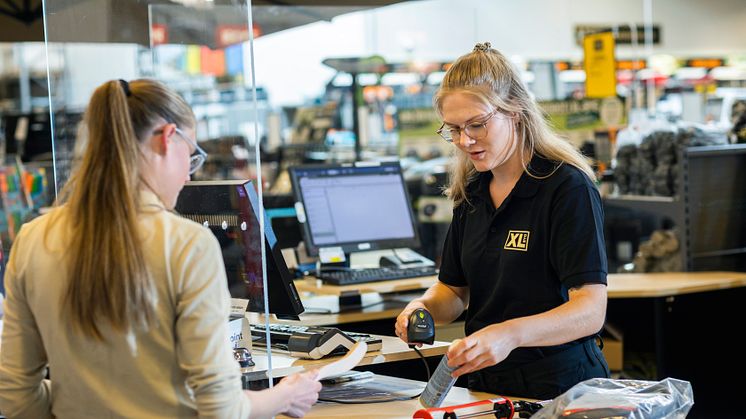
{"x": 648, "y": 21}
{"x": 355, "y": 117}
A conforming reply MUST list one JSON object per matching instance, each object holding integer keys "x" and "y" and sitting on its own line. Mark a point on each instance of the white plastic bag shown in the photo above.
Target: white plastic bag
{"x": 633, "y": 399}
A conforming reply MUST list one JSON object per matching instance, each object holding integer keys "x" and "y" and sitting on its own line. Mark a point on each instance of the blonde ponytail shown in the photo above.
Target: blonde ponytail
{"x": 109, "y": 280}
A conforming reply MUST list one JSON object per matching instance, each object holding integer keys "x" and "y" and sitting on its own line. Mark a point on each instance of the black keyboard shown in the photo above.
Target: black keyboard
{"x": 361, "y": 276}
{"x": 281, "y": 334}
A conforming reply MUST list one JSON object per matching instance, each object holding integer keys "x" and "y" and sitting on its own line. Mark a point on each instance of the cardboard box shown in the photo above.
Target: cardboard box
{"x": 613, "y": 347}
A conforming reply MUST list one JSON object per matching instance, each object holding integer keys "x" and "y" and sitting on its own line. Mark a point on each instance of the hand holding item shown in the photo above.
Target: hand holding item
{"x": 402, "y": 321}
{"x": 481, "y": 349}
{"x": 302, "y": 391}
{"x": 421, "y": 328}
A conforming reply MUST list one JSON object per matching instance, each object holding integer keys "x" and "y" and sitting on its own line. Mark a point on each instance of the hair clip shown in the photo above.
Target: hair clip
{"x": 483, "y": 47}
{"x": 125, "y": 87}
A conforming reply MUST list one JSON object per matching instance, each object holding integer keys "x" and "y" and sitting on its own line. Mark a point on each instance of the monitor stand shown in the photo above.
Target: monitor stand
{"x": 401, "y": 257}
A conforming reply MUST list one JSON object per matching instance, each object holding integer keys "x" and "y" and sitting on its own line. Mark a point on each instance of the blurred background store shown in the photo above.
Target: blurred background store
{"x": 353, "y": 80}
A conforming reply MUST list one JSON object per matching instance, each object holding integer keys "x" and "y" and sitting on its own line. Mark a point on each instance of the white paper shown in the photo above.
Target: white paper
{"x": 346, "y": 363}
{"x": 238, "y": 307}
{"x": 331, "y": 254}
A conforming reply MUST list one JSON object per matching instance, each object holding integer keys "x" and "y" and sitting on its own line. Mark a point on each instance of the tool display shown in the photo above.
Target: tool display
{"x": 500, "y": 408}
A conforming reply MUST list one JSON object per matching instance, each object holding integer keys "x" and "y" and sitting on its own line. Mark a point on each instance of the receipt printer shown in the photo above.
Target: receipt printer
{"x": 316, "y": 344}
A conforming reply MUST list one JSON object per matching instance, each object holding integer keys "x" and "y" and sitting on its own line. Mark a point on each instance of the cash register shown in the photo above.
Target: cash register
{"x": 313, "y": 342}
{"x": 230, "y": 209}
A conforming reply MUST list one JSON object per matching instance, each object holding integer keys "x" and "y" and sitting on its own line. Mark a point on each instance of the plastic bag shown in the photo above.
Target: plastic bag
{"x": 641, "y": 125}
{"x": 633, "y": 399}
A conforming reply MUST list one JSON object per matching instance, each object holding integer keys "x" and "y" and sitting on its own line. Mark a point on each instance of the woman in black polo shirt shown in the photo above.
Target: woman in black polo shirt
{"x": 524, "y": 255}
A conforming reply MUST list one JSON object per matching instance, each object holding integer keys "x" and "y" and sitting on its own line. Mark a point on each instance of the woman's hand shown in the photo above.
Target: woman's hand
{"x": 481, "y": 349}
{"x": 402, "y": 321}
{"x": 292, "y": 396}
{"x": 302, "y": 391}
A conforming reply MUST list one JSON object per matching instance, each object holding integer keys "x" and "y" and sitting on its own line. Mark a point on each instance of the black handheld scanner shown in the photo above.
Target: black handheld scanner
{"x": 421, "y": 327}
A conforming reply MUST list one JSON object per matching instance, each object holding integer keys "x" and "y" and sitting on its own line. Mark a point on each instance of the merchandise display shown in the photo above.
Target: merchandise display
{"x": 659, "y": 254}
{"x": 706, "y": 214}
{"x": 652, "y": 167}
{"x": 738, "y": 132}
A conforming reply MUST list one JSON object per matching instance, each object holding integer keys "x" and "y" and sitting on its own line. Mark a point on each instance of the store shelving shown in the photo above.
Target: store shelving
{"x": 665, "y": 205}
{"x": 709, "y": 213}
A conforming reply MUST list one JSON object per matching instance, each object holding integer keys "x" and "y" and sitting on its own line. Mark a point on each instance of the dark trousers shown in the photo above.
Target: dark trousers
{"x": 545, "y": 378}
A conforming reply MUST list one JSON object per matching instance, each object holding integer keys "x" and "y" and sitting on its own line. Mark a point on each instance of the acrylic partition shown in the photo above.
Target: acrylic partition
{"x": 202, "y": 50}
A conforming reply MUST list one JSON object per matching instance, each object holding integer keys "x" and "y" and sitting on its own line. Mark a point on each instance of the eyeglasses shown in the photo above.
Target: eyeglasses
{"x": 198, "y": 157}
{"x": 473, "y": 130}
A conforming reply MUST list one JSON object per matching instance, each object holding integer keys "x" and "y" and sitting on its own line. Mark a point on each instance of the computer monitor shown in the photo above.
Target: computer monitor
{"x": 230, "y": 209}
{"x": 357, "y": 207}
{"x": 280, "y": 209}
{"x": 28, "y": 135}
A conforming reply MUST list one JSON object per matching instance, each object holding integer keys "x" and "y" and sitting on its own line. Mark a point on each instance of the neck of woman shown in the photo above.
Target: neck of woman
{"x": 510, "y": 171}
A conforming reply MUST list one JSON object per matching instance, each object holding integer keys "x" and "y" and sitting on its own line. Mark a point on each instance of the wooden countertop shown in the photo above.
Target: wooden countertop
{"x": 391, "y": 410}
{"x": 672, "y": 283}
{"x": 283, "y": 364}
{"x": 315, "y": 286}
{"x": 620, "y": 285}
{"x": 322, "y": 309}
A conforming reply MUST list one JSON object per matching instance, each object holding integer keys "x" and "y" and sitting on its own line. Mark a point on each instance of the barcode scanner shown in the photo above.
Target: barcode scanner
{"x": 421, "y": 328}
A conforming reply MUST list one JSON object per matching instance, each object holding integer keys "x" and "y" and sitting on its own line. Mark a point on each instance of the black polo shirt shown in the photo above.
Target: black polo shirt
{"x": 521, "y": 258}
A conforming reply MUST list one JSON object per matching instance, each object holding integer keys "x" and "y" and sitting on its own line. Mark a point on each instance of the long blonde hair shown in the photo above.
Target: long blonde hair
{"x": 490, "y": 77}
{"x": 108, "y": 277}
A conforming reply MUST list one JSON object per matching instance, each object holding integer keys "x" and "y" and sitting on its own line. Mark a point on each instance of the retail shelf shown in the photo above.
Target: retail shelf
{"x": 645, "y": 198}
{"x": 725, "y": 252}
{"x": 710, "y": 183}
{"x": 663, "y": 205}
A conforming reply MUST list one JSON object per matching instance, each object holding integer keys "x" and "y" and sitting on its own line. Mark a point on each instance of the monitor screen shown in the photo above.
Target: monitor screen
{"x": 356, "y": 207}
{"x": 230, "y": 209}
{"x": 28, "y": 135}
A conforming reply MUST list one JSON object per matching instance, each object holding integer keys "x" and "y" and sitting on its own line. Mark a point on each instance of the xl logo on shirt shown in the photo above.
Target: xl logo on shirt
{"x": 517, "y": 240}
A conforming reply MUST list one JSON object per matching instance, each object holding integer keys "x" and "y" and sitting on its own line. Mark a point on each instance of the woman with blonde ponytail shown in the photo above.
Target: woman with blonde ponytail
{"x": 524, "y": 256}
{"x": 123, "y": 302}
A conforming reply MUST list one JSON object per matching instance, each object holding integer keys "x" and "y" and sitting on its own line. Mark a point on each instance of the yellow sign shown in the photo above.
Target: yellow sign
{"x": 599, "y": 65}
{"x": 517, "y": 240}
{"x": 193, "y": 59}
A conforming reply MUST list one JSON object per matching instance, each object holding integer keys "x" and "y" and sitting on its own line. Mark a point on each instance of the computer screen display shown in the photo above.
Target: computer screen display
{"x": 230, "y": 209}
{"x": 355, "y": 207}
{"x": 28, "y": 135}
